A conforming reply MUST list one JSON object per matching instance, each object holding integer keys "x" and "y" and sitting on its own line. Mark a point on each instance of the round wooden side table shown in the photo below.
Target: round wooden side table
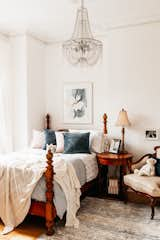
{"x": 123, "y": 160}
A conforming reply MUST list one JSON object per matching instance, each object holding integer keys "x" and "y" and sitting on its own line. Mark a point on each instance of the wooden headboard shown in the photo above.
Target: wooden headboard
{"x": 48, "y": 123}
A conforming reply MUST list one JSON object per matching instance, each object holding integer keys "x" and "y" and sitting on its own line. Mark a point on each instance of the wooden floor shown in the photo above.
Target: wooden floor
{"x": 30, "y": 229}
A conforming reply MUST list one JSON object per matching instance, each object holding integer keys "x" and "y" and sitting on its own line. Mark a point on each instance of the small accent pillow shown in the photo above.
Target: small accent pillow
{"x": 157, "y": 166}
{"x": 50, "y": 138}
{"x": 38, "y": 139}
{"x": 76, "y": 143}
{"x": 97, "y": 140}
{"x": 60, "y": 142}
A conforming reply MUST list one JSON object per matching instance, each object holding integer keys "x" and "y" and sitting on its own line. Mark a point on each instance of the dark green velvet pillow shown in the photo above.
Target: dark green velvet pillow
{"x": 76, "y": 143}
{"x": 157, "y": 166}
{"x": 50, "y": 137}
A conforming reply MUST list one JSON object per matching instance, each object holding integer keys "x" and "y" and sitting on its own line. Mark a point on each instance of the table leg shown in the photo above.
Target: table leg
{"x": 99, "y": 179}
{"x": 123, "y": 171}
{"x": 102, "y": 180}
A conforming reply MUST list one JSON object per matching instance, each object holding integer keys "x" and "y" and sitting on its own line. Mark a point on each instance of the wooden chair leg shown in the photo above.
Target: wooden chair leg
{"x": 125, "y": 194}
{"x": 152, "y": 204}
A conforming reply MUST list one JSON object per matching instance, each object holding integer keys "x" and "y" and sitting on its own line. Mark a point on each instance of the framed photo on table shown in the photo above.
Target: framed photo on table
{"x": 78, "y": 103}
{"x": 115, "y": 146}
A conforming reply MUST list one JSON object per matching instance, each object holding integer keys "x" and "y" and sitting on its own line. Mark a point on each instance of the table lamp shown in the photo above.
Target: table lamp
{"x": 123, "y": 122}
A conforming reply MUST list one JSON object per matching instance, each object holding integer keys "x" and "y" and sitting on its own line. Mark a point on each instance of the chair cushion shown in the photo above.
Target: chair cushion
{"x": 144, "y": 184}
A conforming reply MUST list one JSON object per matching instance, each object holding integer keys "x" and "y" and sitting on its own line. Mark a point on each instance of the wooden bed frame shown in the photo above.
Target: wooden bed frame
{"x": 47, "y": 209}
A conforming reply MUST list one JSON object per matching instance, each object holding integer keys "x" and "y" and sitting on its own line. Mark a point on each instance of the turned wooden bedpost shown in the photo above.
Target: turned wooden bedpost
{"x": 105, "y": 123}
{"x": 47, "y": 121}
{"x": 50, "y": 210}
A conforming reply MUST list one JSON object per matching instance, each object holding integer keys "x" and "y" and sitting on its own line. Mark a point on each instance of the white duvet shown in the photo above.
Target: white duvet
{"x": 19, "y": 174}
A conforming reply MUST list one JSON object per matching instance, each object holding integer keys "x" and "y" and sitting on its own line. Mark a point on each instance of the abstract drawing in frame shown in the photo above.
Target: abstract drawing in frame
{"x": 151, "y": 134}
{"x": 78, "y": 103}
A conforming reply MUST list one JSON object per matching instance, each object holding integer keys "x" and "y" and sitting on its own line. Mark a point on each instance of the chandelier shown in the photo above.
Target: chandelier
{"x": 82, "y": 48}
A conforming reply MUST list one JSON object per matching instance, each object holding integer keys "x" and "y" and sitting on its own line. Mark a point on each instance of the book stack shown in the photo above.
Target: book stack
{"x": 113, "y": 186}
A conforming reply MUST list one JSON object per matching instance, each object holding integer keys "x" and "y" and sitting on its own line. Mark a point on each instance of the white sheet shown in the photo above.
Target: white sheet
{"x": 89, "y": 161}
{"x": 60, "y": 203}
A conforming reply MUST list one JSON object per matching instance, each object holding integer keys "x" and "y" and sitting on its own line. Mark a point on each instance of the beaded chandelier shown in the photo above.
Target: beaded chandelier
{"x": 82, "y": 49}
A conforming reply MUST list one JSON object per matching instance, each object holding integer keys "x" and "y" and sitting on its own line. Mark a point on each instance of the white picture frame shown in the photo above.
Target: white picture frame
{"x": 151, "y": 134}
{"x": 115, "y": 146}
{"x": 78, "y": 103}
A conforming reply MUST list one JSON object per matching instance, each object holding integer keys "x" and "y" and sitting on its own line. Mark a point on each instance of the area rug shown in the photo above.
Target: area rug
{"x": 103, "y": 219}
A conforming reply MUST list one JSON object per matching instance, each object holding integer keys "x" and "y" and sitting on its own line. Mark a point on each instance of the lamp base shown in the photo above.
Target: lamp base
{"x": 123, "y": 151}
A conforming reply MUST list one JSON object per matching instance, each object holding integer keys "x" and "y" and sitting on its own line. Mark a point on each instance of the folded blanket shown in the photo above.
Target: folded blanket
{"x": 19, "y": 174}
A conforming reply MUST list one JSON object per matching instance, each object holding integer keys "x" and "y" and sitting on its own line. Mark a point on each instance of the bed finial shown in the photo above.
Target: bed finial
{"x": 105, "y": 123}
{"x": 47, "y": 121}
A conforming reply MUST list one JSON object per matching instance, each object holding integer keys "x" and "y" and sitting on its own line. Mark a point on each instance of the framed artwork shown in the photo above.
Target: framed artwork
{"x": 115, "y": 146}
{"x": 151, "y": 134}
{"x": 78, "y": 103}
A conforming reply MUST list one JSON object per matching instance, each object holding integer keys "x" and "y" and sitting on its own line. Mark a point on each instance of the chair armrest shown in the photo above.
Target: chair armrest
{"x": 138, "y": 164}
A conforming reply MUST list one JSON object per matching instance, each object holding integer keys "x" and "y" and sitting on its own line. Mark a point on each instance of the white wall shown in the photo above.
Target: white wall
{"x": 6, "y": 96}
{"x": 129, "y": 77}
{"x": 28, "y": 58}
{"x": 36, "y": 84}
{"x": 19, "y": 78}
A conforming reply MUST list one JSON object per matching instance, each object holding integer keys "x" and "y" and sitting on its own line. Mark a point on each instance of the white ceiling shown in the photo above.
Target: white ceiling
{"x": 53, "y": 20}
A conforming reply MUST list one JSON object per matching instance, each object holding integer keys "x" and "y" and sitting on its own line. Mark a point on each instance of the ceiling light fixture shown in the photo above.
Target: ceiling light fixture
{"x": 82, "y": 48}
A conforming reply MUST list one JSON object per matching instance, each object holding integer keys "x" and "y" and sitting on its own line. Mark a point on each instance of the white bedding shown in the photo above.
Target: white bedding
{"x": 30, "y": 159}
{"x": 19, "y": 174}
{"x": 89, "y": 161}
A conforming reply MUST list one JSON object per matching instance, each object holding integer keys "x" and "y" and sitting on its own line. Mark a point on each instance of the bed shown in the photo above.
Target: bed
{"x": 44, "y": 203}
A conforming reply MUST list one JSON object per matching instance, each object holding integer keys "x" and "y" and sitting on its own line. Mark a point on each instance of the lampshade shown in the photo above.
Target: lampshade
{"x": 123, "y": 120}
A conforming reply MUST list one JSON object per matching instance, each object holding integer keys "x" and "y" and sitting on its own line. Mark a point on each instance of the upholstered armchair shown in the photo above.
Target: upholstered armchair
{"x": 146, "y": 186}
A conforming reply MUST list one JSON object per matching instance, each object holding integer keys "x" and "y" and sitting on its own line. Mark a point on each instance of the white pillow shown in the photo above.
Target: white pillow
{"x": 96, "y": 140}
{"x": 59, "y": 142}
{"x": 38, "y": 139}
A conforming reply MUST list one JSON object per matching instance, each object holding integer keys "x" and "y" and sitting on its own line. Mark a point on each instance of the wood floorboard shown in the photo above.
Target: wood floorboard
{"x": 30, "y": 229}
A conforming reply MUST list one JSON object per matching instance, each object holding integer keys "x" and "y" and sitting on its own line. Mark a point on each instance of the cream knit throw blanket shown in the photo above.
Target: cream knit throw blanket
{"x": 19, "y": 174}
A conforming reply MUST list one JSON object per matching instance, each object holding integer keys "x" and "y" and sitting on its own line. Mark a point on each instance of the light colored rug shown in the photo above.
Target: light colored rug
{"x": 103, "y": 219}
